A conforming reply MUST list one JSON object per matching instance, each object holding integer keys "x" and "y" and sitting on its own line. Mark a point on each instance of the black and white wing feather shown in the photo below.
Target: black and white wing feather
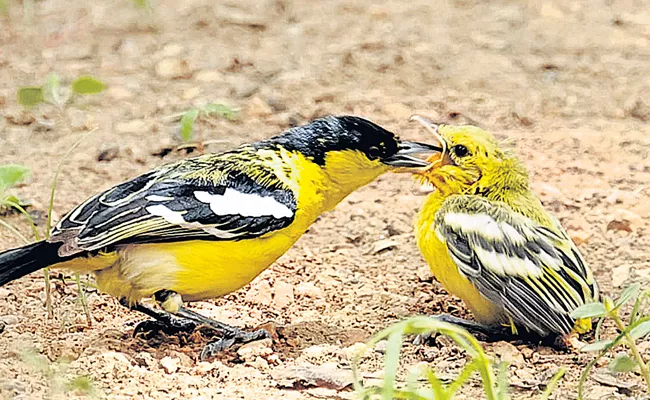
{"x": 534, "y": 272}
{"x": 212, "y": 197}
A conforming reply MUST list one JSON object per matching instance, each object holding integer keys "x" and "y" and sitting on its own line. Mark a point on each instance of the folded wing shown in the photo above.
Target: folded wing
{"x": 177, "y": 203}
{"x": 534, "y": 272}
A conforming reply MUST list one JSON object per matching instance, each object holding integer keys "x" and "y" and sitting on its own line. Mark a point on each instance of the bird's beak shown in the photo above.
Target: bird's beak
{"x": 441, "y": 157}
{"x": 406, "y": 155}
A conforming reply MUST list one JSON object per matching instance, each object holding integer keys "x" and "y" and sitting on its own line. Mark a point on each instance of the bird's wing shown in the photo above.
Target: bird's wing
{"x": 207, "y": 198}
{"x": 535, "y": 273}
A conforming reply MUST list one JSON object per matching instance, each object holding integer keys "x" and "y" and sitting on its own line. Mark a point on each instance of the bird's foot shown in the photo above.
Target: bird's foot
{"x": 485, "y": 333}
{"x": 170, "y": 326}
{"x": 231, "y": 338}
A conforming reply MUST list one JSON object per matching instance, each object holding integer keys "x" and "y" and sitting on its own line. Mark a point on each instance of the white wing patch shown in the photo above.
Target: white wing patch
{"x": 176, "y": 218}
{"x": 155, "y": 197}
{"x": 233, "y": 202}
{"x": 171, "y": 216}
{"x": 482, "y": 223}
{"x": 490, "y": 229}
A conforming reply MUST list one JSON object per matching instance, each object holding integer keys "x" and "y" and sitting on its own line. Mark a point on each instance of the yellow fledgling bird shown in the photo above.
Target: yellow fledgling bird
{"x": 488, "y": 240}
{"x": 204, "y": 227}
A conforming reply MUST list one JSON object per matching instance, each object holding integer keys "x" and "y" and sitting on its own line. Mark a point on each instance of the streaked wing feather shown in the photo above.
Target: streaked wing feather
{"x": 163, "y": 205}
{"x": 535, "y": 273}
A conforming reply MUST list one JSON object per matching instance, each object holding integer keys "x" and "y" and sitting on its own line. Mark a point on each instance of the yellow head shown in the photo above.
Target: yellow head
{"x": 471, "y": 162}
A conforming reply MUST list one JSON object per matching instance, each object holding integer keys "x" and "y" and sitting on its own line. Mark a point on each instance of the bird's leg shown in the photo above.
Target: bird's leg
{"x": 162, "y": 320}
{"x": 174, "y": 318}
{"x": 172, "y": 302}
{"x": 488, "y": 333}
{"x": 230, "y": 335}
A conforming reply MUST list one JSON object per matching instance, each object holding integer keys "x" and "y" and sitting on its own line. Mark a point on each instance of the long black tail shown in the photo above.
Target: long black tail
{"x": 19, "y": 262}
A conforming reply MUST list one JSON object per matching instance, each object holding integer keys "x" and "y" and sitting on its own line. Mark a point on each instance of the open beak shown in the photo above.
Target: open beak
{"x": 406, "y": 155}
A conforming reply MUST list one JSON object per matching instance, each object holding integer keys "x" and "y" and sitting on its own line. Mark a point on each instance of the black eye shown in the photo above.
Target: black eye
{"x": 374, "y": 152}
{"x": 460, "y": 150}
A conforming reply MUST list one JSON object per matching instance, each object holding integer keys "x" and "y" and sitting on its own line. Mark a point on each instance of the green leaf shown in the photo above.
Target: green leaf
{"x": 87, "y": 85}
{"x": 12, "y": 174}
{"x": 622, "y": 363}
{"x": 141, "y": 3}
{"x": 29, "y": 96}
{"x": 589, "y": 310}
{"x": 220, "y": 110}
{"x": 15, "y": 200}
{"x": 629, "y": 293}
{"x": 187, "y": 124}
{"x": 596, "y": 346}
{"x": 640, "y": 330}
{"x": 393, "y": 347}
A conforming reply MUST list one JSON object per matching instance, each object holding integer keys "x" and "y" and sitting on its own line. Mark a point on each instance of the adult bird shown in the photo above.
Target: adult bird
{"x": 488, "y": 240}
{"x": 204, "y": 227}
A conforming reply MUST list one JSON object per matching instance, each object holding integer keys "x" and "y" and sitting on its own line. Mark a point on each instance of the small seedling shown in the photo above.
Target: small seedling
{"x": 205, "y": 113}
{"x": 637, "y": 327}
{"x": 495, "y": 384}
{"x": 55, "y": 373}
{"x": 52, "y": 92}
{"x": 10, "y": 176}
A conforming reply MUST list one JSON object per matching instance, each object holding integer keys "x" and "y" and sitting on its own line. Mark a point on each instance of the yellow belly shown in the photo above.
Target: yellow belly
{"x": 446, "y": 272}
{"x": 196, "y": 270}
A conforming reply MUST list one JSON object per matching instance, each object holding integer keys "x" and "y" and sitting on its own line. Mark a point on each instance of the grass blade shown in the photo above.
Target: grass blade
{"x": 552, "y": 385}
{"x": 393, "y": 348}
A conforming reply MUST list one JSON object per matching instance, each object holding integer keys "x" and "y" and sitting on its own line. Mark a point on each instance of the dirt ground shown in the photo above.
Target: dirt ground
{"x": 567, "y": 82}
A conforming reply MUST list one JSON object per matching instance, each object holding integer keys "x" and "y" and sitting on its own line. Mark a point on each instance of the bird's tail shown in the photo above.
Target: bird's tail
{"x": 19, "y": 262}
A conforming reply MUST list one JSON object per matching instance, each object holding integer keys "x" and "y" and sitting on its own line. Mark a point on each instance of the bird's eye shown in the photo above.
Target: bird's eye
{"x": 374, "y": 152}
{"x": 460, "y": 150}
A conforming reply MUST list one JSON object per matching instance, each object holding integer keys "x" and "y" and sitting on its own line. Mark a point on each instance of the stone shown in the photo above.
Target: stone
{"x": 257, "y": 348}
{"x": 169, "y": 364}
{"x": 9, "y": 319}
{"x": 256, "y": 107}
{"x": 173, "y": 68}
{"x": 208, "y": 76}
{"x": 283, "y": 294}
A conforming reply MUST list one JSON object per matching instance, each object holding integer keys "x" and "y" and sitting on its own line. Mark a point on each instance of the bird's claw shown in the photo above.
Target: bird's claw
{"x": 230, "y": 339}
{"x": 428, "y": 339}
{"x": 169, "y": 327}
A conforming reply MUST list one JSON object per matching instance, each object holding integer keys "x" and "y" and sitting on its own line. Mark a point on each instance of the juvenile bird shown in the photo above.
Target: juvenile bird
{"x": 488, "y": 240}
{"x": 204, "y": 227}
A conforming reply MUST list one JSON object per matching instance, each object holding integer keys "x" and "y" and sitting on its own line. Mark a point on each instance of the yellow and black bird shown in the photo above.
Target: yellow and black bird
{"x": 489, "y": 241}
{"x": 204, "y": 227}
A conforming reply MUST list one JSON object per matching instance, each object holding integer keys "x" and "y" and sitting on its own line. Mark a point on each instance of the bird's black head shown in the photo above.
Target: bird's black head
{"x": 353, "y": 140}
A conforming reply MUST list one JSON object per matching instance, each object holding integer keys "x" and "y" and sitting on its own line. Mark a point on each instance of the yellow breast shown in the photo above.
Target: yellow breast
{"x": 445, "y": 270}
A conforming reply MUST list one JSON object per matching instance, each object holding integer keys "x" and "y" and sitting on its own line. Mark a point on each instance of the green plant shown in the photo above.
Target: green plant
{"x": 52, "y": 92}
{"x": 630, "y": 331}
{"x": 55, "y": 373}
{"x": 10, "y": 176}
{"x": 495, "y": 384}
{"x": 206, "y": 113}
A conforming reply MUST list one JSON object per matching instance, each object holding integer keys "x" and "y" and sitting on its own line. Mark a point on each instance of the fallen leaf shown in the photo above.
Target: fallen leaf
{"x": 313, "y": 376}
{"x": 619, "y": 225}
{"x": 608, "y": 380}
{"x": 382, "y": 245}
